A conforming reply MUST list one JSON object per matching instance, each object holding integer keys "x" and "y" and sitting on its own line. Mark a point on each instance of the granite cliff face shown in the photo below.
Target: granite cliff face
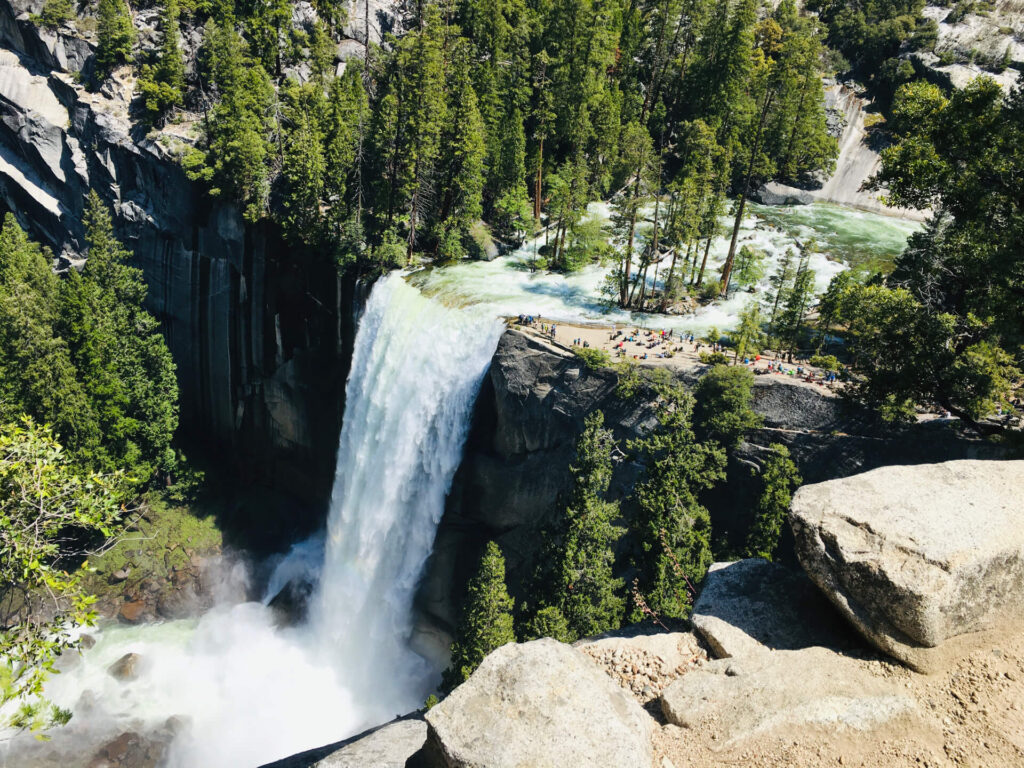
{"x": 259, "y": 334}
{"x": 531, "y": 409}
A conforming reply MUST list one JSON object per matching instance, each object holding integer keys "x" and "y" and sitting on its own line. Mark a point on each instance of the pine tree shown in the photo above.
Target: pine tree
{"x": 781, "y": 285}
{"x": 798, "y": 301}
{"x": 486, "y": 618}
{"x": 749, "y": 337}
{"x": 588, "y": 593}
{"x": 461, "y": 169}
{"x": 674, "y": 527}
{"x": 237, "y": 130}
{"x": 119, "y": 353}
{"x": 723, "y": 397}
{"x": 304, "y": 167}
{"x": 639, "y": 163}
{"x": 779, "y": 477}
{"x": 115, "y": 35}
{"x": 37, "y": 376}
{"x": 162, "y": 84}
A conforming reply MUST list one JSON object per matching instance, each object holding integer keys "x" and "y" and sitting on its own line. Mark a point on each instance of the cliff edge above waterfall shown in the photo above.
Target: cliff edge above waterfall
{"x": 531, "y": 409}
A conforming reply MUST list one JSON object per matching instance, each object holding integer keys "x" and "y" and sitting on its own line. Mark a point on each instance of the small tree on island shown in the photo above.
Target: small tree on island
{"x": 486, "y": 619}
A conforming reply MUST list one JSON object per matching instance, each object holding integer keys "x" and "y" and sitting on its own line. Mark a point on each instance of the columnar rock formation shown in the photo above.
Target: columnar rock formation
{"x": 258, "y": 335}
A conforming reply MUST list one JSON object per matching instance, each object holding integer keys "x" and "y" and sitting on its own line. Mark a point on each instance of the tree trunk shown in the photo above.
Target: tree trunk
{"x": 537, "y": 184}
{"x": 727, "y": 269}
{"x": 704, "y": 262}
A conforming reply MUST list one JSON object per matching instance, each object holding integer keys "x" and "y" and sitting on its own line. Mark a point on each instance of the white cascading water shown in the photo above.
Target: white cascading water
{"x": 415, "y": 373}
{"x": 252, "y": 692}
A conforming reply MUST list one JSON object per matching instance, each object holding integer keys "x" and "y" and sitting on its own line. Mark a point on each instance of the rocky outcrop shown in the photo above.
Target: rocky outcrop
{"x": 741, "y": 700}
{"x": 530, "y": 412}
{"x": 916, "y": 556}
{"x": 398, "y": 744}
{"x": 776, "y": 193}
{"x": 644, "y": 661}
{"x": 858, "y": 160}
{"x": 259, "y": 334}
{"x": 541, "y": 704}
{"x": 752, "y": 606}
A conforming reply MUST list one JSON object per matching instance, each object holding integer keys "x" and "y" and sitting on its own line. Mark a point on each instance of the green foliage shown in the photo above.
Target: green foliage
{"x": 779, "y": 478}
{"x": 947, "y": 323}
{"x": 749, "y": 266}
{"x": 713, "y": 358}
{"x": 549, "y": 622}
{"x": 674, "y": 529}
{"x": 37, "y": 375}
{"x": 588, "y": 596}
{"x": 749, "y": 337}
{"x": 486, "y": 618}
{"x": 237, "y": 132}
{"x": 593, "y": 357}
{"x": 629, "y": 381}
{"x": 162, "y": 84}
{"x": 121, "y": 358}
{"x": 83, "y": 355}
{"x": 723, "y": 396}
{"x": 431, "y": 702}
{"x": 43, "y": 497}
{"x": 870, "y": 34}
{"x": 115, "y": 35}
{"x": 304, "y": 166}
{"x": 55, "y": 13}
{"x": 825, "y": 362}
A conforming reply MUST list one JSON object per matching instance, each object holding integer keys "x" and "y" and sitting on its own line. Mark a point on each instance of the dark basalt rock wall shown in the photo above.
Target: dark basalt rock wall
{"x": 260, "y": 335}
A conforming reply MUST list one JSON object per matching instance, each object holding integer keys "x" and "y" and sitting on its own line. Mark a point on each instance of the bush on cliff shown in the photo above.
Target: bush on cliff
{"x": 722, "y": 411}
{"x": 586, "y": 595}
{"x": 674, "y": 528}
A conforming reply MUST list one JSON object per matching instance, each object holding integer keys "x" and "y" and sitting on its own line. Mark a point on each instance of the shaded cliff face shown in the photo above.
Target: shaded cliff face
{"x": 531, "y": 411}
{"x": 259, "y": 334}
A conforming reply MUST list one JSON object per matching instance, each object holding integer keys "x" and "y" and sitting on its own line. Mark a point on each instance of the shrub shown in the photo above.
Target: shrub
{"x": 722, "y": 411}
{"x": 825, "y": 362}
{"x": 714, "y": 358}
{"x": 55, "y": 13}
{"x": 593, "y": 358}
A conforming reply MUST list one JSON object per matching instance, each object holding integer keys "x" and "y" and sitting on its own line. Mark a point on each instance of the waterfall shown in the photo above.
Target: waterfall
{"x": 416, "y": 369}
{"x": 250, "y": 691}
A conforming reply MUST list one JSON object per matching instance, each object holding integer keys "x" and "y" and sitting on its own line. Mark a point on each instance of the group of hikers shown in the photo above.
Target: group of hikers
{"x": 547, "y": 329}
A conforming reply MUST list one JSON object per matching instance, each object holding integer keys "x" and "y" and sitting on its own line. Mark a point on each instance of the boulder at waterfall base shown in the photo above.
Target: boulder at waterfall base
{"x": 541, "y": 704}
{"x": 918, "y": 556}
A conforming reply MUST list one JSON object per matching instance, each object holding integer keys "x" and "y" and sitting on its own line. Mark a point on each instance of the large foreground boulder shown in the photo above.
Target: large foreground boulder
{"x": 741, "y": 699}
{"x": 541, "y": 704}
{"x": 917, "y": 555}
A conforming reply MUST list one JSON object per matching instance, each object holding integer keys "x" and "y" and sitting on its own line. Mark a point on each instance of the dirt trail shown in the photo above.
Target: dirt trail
{"x": 969, "y": 716}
